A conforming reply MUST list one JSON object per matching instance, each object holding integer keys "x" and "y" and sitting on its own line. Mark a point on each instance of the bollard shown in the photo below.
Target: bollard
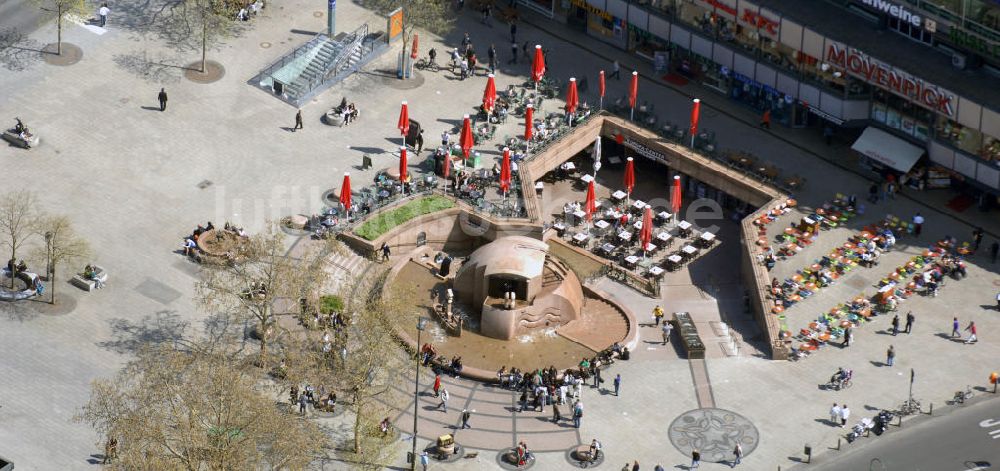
{"x": 838, "y": 444}
{"x": 931, "y": 411}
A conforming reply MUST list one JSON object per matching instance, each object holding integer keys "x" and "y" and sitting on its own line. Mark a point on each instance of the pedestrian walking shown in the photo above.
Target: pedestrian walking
{"x": 765, "y": 119}
{"x": 695, "y": 459}
{"x": 657, "y": 314}
{"x": 977, "y": 237}
{"x": 298, "y": 120}
{"x": 954, "y": 328}
{"x": 738, "y": 455}
{"x": 994, "y": 250}
{"x": 895, "y": 325}
{"x": 890, "y": 355}
{"x": 873, "y": 193}
{"x": 444, "y": 400}
{"x": 437, "y": 385}
{"x": 845, "y": 414}
{"x": 577, "y": 414}
{"x": 491, "y": 53}
{"x": 162, "y": 98}
{"x": 556, "y": 416}
{"x": 618, "y": 384}
{"x": 667, "y": 329}
{"x": 848, "y": 334}
{"x": 835, "y": 414}
{"x": 513, "y": 52}
{"x": 828, "y": 135}
{"x": 616, "y": 70}
{"x": 597, "y": 377}
{"x": 465, "y": 68}
{"x": 465, "y": 419}
{"x": 909, "y": 321}
{"x": 972, "y": 332}
{"x": 524, "y": 51}
{"x": 424, "y": 460}
{"x": 918, "y": 224}
{"x": 103, "y": 13}
{"x": 523, "y": 401}
{"x": 385, "y": 251}
{"x": 635, "y": 465}
{"x": 303, "y": 401}
{"x": 513, "y": 31}
{"x": 466, "y": 42}
{"x": 419, "y": 141}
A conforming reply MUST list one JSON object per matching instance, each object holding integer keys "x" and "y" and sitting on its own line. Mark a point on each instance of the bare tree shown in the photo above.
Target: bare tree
{"x": 195, "y": 410}
{"x": 62, "y": 245}
{"x": 19, "y": 216}
{"x": 191, "y": 24}
{"x": 431, "y": 15}
{"x": 259, "y": 276}
{"x": 62, "y": 9}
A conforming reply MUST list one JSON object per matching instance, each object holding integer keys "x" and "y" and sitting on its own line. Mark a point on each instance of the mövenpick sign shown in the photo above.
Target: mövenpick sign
{"x": 896, "y": 11}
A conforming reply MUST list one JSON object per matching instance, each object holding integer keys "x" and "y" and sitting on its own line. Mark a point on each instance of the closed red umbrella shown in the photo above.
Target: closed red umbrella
{"x": 416, "y": 40}
{"x": 446, "y": 168}
{"x": 404, "y": 121}
{"x": 601, "y": 87}
{"x": 695, "y": 112}
{"x": 505, "y": 172}
{"x": 490, "y": 94}
{"x": 529, "y": 129}
{"x": 572, "y": 97}
{"x": 402, "y": 164}
{"x": 646, "y": 234}
{"x": 629, "y": 176}
{"x": 466, "y": 140}
{"x": 345, "y": 192}
{"x": 537, "y": 65}
{"x": 590, "y": 206}
{"x": 675, "y": 198}
{"x": 633, "y": 93}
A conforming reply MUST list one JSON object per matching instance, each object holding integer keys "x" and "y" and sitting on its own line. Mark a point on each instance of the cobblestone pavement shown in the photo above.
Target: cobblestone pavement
{"x": 135, "y": 180}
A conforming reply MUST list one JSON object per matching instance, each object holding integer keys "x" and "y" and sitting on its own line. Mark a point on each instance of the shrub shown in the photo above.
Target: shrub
{"x": 379, "y": 224}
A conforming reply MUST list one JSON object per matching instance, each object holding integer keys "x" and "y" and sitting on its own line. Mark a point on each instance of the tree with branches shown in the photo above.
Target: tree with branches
{"x": 194, "y": 24}
{"x": 62, "y": 246}
{"x": 434, "y": 16}
{"x": 19, "y": 215}
{"x": 258, "y": 276}
{"x": 62, "y": 9}
{"x": 192, "y": 410}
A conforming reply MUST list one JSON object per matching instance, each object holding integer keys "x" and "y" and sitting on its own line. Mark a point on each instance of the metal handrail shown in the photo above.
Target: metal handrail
{"x": 284, "y": 60}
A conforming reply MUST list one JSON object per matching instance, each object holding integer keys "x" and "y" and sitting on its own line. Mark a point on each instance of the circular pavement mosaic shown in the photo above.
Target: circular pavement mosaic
{"x": 714, "y": 433}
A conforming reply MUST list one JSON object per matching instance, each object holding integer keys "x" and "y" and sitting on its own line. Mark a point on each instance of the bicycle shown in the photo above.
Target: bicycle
{"x": 839, "y": 385}
{"x": 427, "y": 64}
{"x": 962, "y": 396}
{"x": 909, "y": 407}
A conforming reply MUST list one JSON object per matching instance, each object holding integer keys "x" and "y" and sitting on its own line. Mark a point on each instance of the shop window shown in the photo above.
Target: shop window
{"x": 915, "y": 33}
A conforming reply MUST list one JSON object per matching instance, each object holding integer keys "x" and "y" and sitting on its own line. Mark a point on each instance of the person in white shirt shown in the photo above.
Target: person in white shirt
{"x": 103, "y": 14}
{"x": 918, "y": 222}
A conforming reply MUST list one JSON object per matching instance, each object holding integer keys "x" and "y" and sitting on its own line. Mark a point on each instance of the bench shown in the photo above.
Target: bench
{"x": 88, "y": 284}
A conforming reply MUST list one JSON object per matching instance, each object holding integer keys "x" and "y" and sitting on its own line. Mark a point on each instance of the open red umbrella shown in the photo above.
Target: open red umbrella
{"x": 633, "y": 93}
{"x": 505, "y": 172}
{"x": 590, "y": 206}
{"x": 404, "y": 121}
{"x": 537, "y": 65}
{"x": 675, "y": 198}
{"x": 466, "y": 141}
{"x": 402, "y": 164}
{"x": 529, "y": 129}
{"x": 490, "y": 94}
{"x": 695, "y": 111}
{"x": 345, "y": 192}
{"x": 416, "y": 40}
{"x": 572, "y": 97}
{"x": 601, "y": 87}
{"x": 646, "y": 233}
{"x": 629, "y": 176}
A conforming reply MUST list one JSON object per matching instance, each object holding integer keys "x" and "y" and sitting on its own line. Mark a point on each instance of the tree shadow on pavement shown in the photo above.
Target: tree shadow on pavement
{"x": 17, "y": 51}
{"x": 130, "y": 337}
{"x": 152, "y": 70}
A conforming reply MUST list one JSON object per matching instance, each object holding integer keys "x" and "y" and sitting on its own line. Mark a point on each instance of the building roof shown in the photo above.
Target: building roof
{"x": 514, "y": 255}
{"x": 921, "y": 60}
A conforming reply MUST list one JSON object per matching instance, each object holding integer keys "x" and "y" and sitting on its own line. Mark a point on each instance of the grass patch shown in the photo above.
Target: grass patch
{"x": 379, "y": 224}
{"x": 330, "y": 303}
{"x": 583, "y": 266}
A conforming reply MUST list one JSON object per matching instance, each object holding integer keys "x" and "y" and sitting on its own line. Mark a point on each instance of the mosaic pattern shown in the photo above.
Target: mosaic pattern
{"x": 714, "y": 433}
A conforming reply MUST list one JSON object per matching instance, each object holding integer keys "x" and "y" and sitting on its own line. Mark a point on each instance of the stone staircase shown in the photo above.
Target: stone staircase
{"x": 600, "y": 325}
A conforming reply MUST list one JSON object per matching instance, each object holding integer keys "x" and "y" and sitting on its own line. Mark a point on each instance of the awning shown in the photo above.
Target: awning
{"x": 887, "y": 149}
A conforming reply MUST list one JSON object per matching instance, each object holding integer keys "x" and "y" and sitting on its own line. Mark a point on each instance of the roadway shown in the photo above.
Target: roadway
{"x": 965, "y": 438}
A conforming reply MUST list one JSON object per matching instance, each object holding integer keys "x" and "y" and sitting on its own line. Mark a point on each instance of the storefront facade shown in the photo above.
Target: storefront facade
{"x": 768, "y": 61}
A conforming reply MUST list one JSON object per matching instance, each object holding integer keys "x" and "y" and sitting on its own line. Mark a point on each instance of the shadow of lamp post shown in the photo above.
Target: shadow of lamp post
{"x": 421, "y": 326}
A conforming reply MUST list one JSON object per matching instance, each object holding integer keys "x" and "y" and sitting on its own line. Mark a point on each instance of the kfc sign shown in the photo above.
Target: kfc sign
{"x": 747, "y": 16}
{"x": 864, "y": 67}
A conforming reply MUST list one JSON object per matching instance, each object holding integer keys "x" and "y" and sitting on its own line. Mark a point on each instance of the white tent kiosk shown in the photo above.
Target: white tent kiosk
{"x": 887, "y": 150}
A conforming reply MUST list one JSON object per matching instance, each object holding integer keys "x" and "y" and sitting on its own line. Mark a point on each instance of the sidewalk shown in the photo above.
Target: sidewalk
{"x": 807, "y": 140}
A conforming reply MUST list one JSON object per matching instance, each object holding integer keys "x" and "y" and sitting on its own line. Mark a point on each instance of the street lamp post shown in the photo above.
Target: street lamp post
{"x": 48, "y": 264}
{"x": 421, "y": 325}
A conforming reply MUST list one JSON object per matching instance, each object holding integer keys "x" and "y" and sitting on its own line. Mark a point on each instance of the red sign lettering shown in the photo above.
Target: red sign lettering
{"x": 861, "y": 66}
{"x": 760, "y": 22}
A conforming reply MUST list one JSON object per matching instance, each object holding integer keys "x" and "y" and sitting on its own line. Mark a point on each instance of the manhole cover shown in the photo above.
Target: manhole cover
{"x": 318, "y": 14}
{"x": 265, "y": 45}
{"x": 714, "y": 433}
{"x": 204, "y": 184}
